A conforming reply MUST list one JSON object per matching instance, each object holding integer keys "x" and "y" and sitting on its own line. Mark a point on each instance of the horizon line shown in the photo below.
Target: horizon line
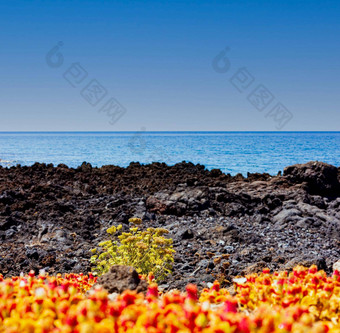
{"x": 204, "y": 131}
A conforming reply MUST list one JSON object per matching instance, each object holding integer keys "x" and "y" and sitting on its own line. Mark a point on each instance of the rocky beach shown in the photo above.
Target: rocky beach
{"x": 222, "y": 226}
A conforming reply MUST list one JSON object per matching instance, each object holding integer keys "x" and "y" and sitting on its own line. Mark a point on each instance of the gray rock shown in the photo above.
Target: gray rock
{"x": 287, "y": 215}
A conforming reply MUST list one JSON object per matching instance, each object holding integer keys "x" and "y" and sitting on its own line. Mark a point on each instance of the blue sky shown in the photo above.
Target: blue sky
{"x": 155, "y": 59}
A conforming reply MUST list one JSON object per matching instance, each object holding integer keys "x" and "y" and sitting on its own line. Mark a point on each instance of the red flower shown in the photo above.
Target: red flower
{"x": 216, "y": 286}
{"x": 152, "y": 292}
{"x": 313, "y": 269}
{"x": 243, "y": 326}
{"x": 230, "y": 305}
{"x": 192, "y": 292}
{"x": 71, "y": 320}
{"x": 129, "y": 297}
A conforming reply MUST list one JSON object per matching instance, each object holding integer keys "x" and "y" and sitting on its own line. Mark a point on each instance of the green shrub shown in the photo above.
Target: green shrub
{"x": 148, "y": 251}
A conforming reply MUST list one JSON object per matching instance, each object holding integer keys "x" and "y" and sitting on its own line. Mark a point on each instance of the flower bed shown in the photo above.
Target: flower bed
{"x": 305, "y": 300}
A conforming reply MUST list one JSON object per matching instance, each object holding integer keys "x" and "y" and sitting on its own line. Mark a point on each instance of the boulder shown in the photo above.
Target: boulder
{"x": 320, "y": 178}
{"x": 307, "y": 261}
{"x": 120, "y": 278}
{"x": 287, "y": 215}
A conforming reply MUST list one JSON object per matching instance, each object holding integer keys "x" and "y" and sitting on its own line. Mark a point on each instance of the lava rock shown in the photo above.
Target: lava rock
{"x": 187, "y": 234}
{"x": 120, "y": 278}
{"x": 321, "y": 178}
{"x": 50, "y": 217}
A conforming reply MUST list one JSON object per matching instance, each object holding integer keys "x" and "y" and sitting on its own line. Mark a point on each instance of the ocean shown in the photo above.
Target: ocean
{"x": 232, "y": 152}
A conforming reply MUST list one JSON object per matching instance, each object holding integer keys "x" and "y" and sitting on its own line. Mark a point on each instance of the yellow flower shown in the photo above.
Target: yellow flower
{"x": 112, "y": 230}
{"x": 135, "y": 220}
{"x": 144, "y": 250}
{"x": 130, "y": 239}
{"x": 104, "y": 243}
{"x": 141, "y": 245}
{"x": 161, "y": 231}
{"x": 159, "y": 240}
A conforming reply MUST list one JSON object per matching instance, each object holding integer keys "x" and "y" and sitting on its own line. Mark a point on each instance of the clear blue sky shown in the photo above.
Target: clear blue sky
{"x": 155, "y": 58}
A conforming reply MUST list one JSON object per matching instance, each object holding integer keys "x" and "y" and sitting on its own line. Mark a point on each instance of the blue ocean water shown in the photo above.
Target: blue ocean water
{"x": 232, "y": 152}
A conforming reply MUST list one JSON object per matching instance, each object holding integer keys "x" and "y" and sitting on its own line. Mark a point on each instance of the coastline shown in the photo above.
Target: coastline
{"x": 52, "y": 216}
{"x": 231, "y": 152}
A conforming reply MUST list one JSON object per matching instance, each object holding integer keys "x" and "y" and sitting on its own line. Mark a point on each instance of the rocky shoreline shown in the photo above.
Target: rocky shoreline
{"x": 222, "y": 226}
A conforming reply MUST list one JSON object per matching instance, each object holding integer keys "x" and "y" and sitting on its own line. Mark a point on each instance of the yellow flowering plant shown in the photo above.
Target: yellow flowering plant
{"x": 148, "y": 251}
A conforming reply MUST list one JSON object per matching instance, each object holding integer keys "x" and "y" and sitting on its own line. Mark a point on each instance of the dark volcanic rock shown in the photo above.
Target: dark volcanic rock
{"x": 307, "y": 261}
{"x": 222, "y": 226}
{"x": 187, "y": 234}
{"x": 321, "y": 178}
{"x": 120, "y": 278}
